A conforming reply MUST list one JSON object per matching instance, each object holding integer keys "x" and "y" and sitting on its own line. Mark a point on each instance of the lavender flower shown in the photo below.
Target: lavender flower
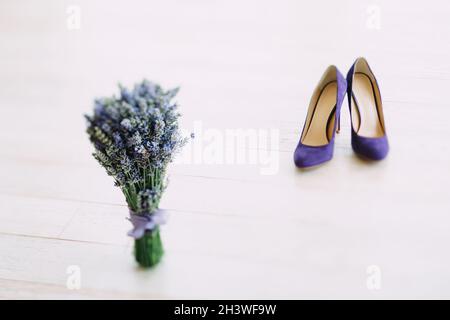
{"x": 136, "y": 136}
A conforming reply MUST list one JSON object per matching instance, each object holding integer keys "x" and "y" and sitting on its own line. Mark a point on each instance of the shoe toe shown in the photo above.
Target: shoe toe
{"x": 306, "y": 156}
{"x": 372, "y": 148}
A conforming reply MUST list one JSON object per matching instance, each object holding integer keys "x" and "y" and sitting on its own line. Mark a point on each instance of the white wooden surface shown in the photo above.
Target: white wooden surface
{"x": 233, "y": 232}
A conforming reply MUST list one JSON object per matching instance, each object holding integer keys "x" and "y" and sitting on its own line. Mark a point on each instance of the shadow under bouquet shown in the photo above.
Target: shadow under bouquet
{"x": 136, "y": 136}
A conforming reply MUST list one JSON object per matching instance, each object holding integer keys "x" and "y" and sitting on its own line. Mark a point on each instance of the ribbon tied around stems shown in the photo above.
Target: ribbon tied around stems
{"x": 146, "y": 222}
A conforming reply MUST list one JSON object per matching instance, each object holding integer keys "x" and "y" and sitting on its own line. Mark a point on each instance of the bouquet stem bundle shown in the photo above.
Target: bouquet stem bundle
{"x": 136, "y": 136}
{"x": 148, "y": 249}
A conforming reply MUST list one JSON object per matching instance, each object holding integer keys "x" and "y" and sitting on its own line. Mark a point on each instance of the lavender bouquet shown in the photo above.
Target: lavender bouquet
{"x": 136, "y": 136}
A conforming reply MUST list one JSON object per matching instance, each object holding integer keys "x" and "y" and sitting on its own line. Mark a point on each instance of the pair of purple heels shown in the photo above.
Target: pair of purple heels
{"x": 369, "y": 138}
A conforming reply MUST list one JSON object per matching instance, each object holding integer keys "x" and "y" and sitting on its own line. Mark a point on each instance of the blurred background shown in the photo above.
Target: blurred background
{"x": 234, "y": 232}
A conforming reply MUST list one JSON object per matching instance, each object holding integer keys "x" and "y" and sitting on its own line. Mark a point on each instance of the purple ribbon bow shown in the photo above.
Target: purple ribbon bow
{"x": 146, "y": 222}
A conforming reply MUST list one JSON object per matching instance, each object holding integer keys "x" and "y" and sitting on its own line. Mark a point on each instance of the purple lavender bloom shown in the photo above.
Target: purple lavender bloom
{"x": 136, "y": 136}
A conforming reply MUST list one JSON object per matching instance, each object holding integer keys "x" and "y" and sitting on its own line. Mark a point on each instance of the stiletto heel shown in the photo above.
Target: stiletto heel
{"x": 316, "y": 143}
{"x": 338, "y": 125}
{"x": 366, "y": 112}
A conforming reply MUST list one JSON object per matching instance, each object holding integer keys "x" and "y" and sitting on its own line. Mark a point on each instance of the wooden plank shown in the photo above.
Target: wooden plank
{"x": 324, "y": 273}
{"x": 331, "y": 256}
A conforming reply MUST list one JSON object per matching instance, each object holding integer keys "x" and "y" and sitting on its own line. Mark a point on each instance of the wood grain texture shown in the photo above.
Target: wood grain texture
{"x": 233, "y": 232}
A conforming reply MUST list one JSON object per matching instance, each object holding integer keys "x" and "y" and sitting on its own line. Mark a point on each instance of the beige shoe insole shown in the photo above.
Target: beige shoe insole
{"x": 317, "y": 132}
{"x": 364, "y": 108}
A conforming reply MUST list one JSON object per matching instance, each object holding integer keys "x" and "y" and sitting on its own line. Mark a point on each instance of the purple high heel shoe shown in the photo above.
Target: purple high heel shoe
{"x": 366, "y": 111}
{"x": 316, "y": 143}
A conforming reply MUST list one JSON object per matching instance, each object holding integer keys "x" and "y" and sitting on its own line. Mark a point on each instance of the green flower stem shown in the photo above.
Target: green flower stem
{"x": 148, "y": 250}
